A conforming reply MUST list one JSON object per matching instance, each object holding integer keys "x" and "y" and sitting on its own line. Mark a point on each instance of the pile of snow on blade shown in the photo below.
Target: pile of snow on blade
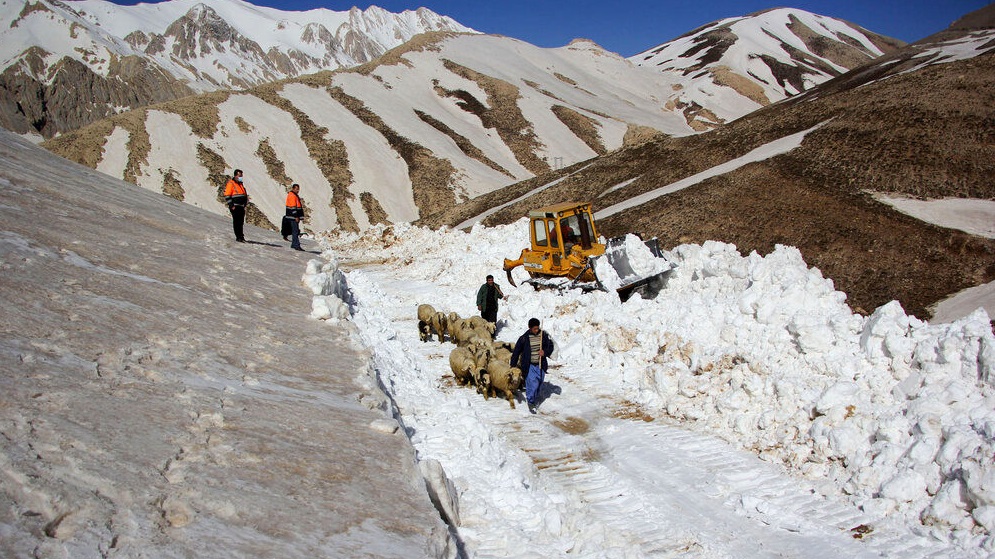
{"x": 764, "y": 352}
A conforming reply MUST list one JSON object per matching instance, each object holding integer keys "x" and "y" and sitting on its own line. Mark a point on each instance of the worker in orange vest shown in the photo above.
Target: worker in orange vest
{"x": 237, "y": 199}
{"x": 292, "y": 220}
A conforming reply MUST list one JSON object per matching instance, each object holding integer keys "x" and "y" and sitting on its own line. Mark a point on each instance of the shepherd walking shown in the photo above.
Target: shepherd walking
{"x": 292, "y": 220}
{"x": 487, "y": 299}
{"x": 530, "y": 356}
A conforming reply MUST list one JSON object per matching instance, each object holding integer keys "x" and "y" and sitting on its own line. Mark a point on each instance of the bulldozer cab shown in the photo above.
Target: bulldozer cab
{"x": 557, "y": 228}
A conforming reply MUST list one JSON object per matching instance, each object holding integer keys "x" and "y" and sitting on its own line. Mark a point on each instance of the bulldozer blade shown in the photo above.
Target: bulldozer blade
{"x": 631, "y": 282}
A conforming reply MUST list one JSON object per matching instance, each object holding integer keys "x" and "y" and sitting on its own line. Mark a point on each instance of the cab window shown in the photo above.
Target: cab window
{"x": 570, "y": 228}
{"x": 539, "y": 232}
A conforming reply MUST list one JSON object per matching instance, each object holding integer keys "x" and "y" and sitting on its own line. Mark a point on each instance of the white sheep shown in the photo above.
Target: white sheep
{"x": 480, "y": 322}
{"x": 502, "y": 351}
{"x": 440, "y": 323}
{"x": 461, "y": 335}
{"x": 425, "y": 314}
{"x": 451, "y": 323}
{"x": 482, "y": 357}
{"x": 505, "y": 379}
{"x": 463, "y": 363}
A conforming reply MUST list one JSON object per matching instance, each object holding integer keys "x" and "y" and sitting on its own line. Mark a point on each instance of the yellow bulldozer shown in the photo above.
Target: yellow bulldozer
{"x": 567, "y": 252}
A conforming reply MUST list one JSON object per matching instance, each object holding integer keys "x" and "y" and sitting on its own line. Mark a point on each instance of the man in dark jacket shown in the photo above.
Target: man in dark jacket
{"x": 237, "y": 199}
{"x": 530, "y": 356}
{"x": 292, "y": 219}
{"x": 487, "y": 299}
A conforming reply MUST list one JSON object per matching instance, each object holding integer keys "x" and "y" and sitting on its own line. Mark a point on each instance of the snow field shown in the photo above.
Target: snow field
{"x": 376, "y": 167}
{"x": 887, "y": 412}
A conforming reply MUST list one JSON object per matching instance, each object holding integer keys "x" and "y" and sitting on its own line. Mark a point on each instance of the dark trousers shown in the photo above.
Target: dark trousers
{"x": 295, "y": 233}
{"x": 237, "y": 221}
{"x": 490, "y": 315}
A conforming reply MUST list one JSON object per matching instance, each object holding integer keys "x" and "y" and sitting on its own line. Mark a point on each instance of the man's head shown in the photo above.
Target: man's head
{"x": 490, "y": 279}
{"x": 237, "y": 173}
{"x": 534, "y": 325}
{"x": 295, "y": 188}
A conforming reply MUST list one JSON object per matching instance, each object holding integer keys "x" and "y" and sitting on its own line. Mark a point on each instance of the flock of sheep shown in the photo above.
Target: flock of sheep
{"x": 477, "y": 358}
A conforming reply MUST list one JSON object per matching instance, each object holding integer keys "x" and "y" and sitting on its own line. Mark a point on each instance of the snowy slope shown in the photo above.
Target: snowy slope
{"x": 478, "y": 112}
{"x": 164, "y": 393}
{"x": 755, "y": 60}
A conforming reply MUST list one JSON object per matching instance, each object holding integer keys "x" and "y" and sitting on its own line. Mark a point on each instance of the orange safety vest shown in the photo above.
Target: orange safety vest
{"x": 234, "y": 188}
{"x": 235, "y": 193}
{"x": 294, "y": 206}
{"x": 293, "y": 200}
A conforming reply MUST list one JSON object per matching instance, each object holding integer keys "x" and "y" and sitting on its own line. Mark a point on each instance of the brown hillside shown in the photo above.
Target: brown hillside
{"x": 928, "y": 133}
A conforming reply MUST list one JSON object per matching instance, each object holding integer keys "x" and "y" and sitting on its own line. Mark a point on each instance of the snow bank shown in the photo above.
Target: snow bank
{"x": 895, "y": 413}
{"x": 330, "y": 290}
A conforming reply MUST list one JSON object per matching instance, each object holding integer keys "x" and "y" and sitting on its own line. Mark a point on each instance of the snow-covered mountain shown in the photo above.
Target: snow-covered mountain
{"x": 131, "y": 56}
{"x": 752, "y": 61}
{"x": 444, "y": 118}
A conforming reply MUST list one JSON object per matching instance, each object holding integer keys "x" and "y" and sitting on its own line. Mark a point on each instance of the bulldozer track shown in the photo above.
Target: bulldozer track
{"x": 734, "y": 489}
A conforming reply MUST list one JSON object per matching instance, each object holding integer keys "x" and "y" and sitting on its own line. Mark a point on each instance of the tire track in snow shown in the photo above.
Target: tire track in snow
{"x": 752, "y": 488}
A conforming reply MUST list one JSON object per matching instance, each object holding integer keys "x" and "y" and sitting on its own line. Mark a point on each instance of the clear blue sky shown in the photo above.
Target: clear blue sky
{"x": 631, "y": 26}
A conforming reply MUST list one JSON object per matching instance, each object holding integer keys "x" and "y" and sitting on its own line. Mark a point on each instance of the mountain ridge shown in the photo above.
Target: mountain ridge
{"x": 134, "y": 56}
{"x": 477, "y": 112}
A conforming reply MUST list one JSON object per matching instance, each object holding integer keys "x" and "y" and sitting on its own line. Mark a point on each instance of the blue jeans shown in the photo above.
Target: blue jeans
{"x": 533, "y": 381}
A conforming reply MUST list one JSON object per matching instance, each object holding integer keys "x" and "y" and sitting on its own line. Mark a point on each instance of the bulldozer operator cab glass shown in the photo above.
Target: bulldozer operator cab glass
{"x": 569, "y": 227}
{"x": 585, "y": 230}
{"x": 539, "y": 230}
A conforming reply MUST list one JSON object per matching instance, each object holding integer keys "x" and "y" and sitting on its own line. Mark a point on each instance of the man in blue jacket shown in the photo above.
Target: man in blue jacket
{"x": 530, "y": 356}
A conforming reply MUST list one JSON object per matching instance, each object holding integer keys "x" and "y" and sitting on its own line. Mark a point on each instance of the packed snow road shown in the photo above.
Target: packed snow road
{"x": 604, "y": 470}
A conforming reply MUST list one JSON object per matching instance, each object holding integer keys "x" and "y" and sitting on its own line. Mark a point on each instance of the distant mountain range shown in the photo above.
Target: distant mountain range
{"x": 443, "y": 119}
{"x": 68, "y": 63}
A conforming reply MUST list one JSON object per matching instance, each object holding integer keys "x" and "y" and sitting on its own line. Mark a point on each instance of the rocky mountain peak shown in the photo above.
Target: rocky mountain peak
{"x": 179, "y": 49}
{"x": 976, "y": 20}
{"x": 316, "y": 34}
{"x": 764, "y": 57}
